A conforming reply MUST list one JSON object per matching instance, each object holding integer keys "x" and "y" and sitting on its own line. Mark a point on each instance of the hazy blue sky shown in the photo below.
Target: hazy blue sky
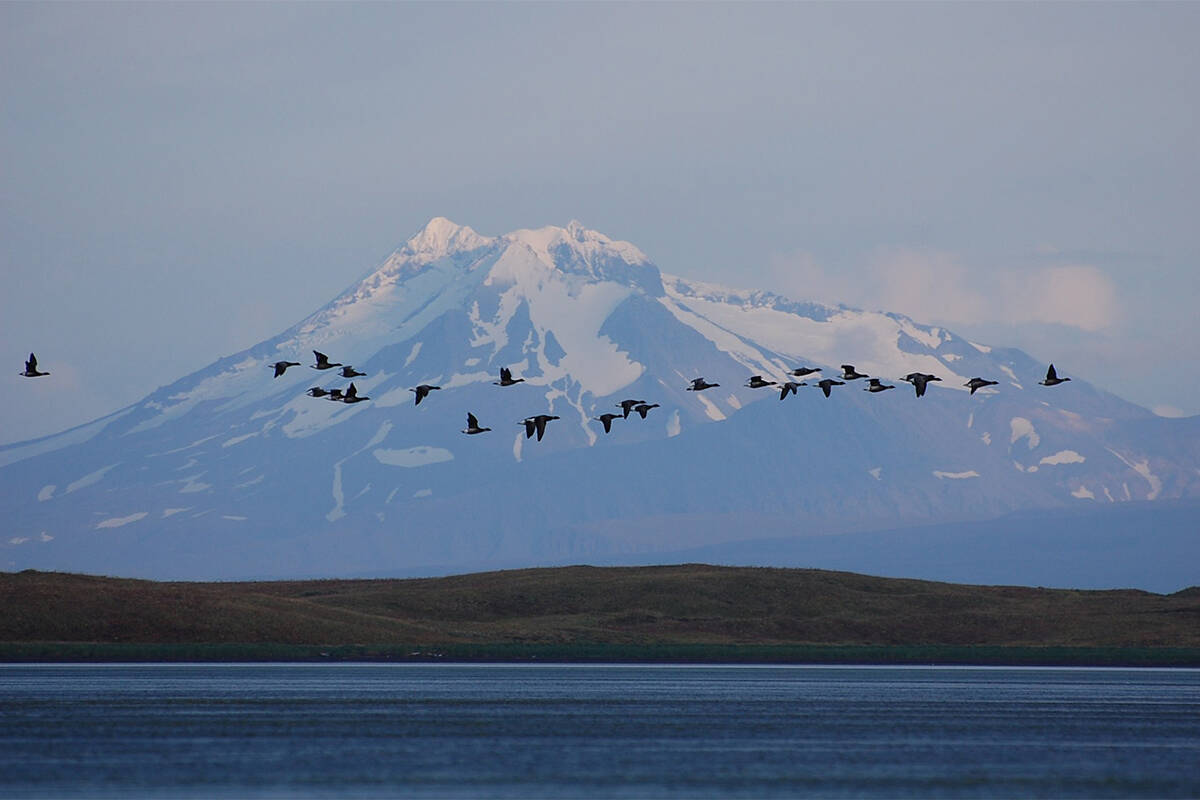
{"x": 180, "y": 181}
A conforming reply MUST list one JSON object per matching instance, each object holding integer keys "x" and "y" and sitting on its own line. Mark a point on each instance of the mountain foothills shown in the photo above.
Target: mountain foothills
{"x": 246, "y": 469}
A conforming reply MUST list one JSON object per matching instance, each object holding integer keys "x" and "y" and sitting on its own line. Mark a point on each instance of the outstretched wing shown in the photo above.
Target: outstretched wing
{"x": 1051, "y": 375}
{"x": 471, "y": 421}
{"x": 31, "y": 364}
{"x": 505, "y": 374}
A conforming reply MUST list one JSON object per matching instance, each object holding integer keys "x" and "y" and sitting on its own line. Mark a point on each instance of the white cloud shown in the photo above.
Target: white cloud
{"x": 937, "y": 286}
{"x": 1077, "y": 295}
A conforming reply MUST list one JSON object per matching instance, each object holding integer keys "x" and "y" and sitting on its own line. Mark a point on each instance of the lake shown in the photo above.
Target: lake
{"x": 457, "y": 730}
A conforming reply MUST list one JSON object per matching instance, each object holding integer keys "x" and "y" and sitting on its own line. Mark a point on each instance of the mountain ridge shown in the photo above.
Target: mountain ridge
{"x": 233, "y": 467}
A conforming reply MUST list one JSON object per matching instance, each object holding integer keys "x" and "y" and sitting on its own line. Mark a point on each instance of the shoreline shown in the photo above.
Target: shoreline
{"x": 865, "y": 655}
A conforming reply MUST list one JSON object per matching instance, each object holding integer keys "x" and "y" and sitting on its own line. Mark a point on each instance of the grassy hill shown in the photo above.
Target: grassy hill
{"x": 585, "y": 612}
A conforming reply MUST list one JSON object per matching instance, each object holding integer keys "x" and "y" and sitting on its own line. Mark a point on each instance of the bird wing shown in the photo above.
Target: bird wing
{"x": 471, "y": 421}
{"x": 31, "y": 364}
{"x": 1051, "y": 375}
{"x": 321, "y": 357}
{"x": 505, "y": 374}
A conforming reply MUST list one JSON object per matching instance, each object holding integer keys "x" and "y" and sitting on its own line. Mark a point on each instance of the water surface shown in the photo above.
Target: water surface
{"x": 447, "y": 730}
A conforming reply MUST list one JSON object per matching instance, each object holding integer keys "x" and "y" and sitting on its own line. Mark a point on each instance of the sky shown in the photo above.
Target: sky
{"x": 182, "y": 181}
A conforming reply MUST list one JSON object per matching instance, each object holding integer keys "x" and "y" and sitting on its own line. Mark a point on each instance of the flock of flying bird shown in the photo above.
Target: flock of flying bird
{"x": 536, "y": 425}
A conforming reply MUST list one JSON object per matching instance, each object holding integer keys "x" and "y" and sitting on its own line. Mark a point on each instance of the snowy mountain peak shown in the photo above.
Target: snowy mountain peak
{"x": 578, "y": 250}
{"x": 441, "y": 237}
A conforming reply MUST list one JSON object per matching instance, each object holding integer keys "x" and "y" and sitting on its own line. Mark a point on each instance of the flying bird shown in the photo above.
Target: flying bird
{"x": 335, "y": 395}
{"x": 850, "y": 374}
{"x": 281, "y": 366}
{"x": 1052, "y": 378}
{"x": 979, "y": 383}
{"x": 790, "y": 386}
{"x": 31, "y": 370}
{"x": 323, "y": 361}
{"x": 919, "y": 380}
{"x": 644, "y": 408}
{"x": 827, "y": 384}
{"x": 875, "y": 386}
{"x": 506, "y": 378}
{"x": 537, "y": 424}
{"x": 606, "y": 420}
{"x": 473, "y": 425}
{"x": 351, "y": 372}
{"x": 316, "y": 391}
{"x": 699, "y": 385}
{"x": 800, "y": 372}
{"x": 756, "y": 382}
{"x": 351, "y": 395}
{"x": 423, "y": 391}
{"x": 628, "y": 405}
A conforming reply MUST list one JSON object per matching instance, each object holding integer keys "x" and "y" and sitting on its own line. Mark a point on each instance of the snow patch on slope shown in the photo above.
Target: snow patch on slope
{"x": 955, "y": 475}
{"x": 89, "y": 479}
{"x": 1142, "y": 468}
{"x": 412, "y": 456}
{"x": 117, "y": 522}
{"x": 1063, "y": 457}
{"x": 1023, "y": 429}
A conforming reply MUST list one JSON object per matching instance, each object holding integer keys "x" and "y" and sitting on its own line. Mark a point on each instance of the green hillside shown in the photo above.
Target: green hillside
{"x": 654, "y": 613}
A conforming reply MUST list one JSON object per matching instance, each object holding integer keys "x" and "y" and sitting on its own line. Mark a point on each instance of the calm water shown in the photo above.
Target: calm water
{"x": 595, "y": 731}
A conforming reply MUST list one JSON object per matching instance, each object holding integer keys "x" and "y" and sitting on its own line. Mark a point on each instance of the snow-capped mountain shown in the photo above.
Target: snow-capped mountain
{"x": 230, "y": 472}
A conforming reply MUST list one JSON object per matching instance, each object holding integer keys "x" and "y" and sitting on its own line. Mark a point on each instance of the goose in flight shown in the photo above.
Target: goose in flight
{"x": 423, "y": 391}
{"x": 351, "y": 372}
{"x": 606, "y": 420}
{"x": 31, "y": 370}
{"x": 756, "y": 382}
{"x": 351, "y": 395}
{"x": 919, "y": 380}
{"x": 323, "y": 361}
{"x": 644, "y": 408}
{"x": 850, "y": 374}
{"x": 473, "y": 425}
{"x": 873, "y": 385}
{"x": 800, "y": 372}
{"x": 280, "y": 367}
{"x": 699, "y": 385}
{"x": 316, "y": 391}
{"x": 790, "y": 386}
{"x": 979, "y": 383}
{"x": 628, "y": 405}
{"x": 506, "y": 378}
{"x": 827, "y": 384}
{"x": 1052, "y": 378}
{"x": 537, "y": 424}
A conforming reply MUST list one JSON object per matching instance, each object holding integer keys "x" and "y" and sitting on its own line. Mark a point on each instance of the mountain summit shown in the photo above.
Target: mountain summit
{"x": 230, "y": 472}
